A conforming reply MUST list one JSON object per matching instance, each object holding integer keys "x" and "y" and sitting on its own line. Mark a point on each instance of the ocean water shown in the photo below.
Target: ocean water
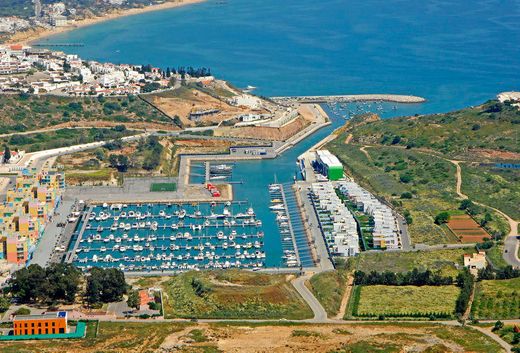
{"x": 454, "y": 53}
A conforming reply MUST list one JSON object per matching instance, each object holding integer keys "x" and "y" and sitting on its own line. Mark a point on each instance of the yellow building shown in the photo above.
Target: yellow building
{"x": 26, "y": 211}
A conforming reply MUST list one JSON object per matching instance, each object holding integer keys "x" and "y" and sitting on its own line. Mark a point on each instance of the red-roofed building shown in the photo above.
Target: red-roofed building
{"x": 144, "y": 299}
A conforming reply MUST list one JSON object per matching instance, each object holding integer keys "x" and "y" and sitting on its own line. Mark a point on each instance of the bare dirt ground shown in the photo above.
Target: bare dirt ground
{"x": 193, "y": 100}
{"x": 494, "y": 154}
{"x": 310, "y": 338}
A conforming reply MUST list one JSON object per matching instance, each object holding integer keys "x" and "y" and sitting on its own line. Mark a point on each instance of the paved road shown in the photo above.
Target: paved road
{"x": 320, "y": 315}
{"x": 405, "y": 236}
{"x": 51, "y": 235}
{"x": 325, "y": 262}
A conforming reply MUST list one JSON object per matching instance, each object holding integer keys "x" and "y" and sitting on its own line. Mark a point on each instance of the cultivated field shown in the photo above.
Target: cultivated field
{"x": 268, "y": 337}
{"x": 446, "y": 261}
{"x": 405, "y": 300}
{"x": 233, "y": 294}
{"x": 466, "y": 229}
{"x": 497, "y": 299}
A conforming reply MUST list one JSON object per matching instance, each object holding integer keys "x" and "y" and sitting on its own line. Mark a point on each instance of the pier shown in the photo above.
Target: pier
{"x": 69, "y": 258}
{"x": 298, "y": 231}
{"x": 395, "y": 98}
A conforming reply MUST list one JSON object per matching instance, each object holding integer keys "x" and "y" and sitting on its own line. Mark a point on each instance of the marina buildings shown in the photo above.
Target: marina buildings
{"x": 28, "y": 206}
{"x": 337, "y": 223}
{"x": 385, "y": 231}
{"x": 329, "y": 165}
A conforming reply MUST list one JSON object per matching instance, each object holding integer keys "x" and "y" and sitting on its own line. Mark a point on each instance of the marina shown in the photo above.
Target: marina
{"x": 169, "y": 237}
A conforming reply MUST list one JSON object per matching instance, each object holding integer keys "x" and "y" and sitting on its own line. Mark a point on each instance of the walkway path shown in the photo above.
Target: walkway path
{"x": 344, "y": 301}
{"x": 511, "y": 242}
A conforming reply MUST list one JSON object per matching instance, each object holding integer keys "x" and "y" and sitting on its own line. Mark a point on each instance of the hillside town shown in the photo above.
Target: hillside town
{"x": 41, "y": 71}
{"x": 45, "y": 16}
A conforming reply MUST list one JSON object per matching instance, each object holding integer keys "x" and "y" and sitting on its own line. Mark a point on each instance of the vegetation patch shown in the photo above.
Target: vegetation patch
{"x": 493, "y": 186}
{"x": 407, "y": 301}
{"x": 306, "y": 333}
{"x": 446, "y": 262}
{"x": 232, "y": 294}
{"x": 24, "y": 112}
{"x": 162, "y": 187}
{"x": 497, "y": 299}
{"x": 329, "y": 288}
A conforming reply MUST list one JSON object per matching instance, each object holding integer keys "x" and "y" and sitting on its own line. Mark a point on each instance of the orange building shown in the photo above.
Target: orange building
{"x": 45, "y": 324}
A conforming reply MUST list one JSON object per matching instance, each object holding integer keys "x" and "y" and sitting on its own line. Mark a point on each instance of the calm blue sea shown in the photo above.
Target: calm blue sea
{"x": 454, "y": 53}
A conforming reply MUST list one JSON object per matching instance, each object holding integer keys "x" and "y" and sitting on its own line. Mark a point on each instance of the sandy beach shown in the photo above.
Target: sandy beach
{"x": 31, "y": 36}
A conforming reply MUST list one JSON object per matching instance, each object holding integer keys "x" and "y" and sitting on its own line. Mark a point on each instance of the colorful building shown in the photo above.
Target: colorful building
{"x": 329, "y": 165}
{"x": 28, "y": 207}
{"x": 45, "y": 324}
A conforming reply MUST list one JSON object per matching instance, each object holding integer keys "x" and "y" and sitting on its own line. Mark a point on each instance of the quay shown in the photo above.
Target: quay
{"x": 394, "y": 98}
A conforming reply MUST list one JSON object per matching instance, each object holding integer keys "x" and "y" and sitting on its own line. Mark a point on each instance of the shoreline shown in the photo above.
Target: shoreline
{"x": 29, "y": 37}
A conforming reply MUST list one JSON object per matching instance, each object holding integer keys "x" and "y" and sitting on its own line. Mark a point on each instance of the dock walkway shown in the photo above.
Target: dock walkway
{"x": 297, "y": 227}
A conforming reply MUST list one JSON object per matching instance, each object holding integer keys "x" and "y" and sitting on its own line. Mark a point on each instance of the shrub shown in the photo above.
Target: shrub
{"x": 23, "y": 311}
{"x": 442, "y": 217}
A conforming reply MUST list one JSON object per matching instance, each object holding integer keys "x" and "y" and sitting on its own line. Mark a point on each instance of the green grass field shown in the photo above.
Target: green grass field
{"x": 497, "y": 299}
{"x": 161, "y": 187}
{"x": 404, "y": 300}
{"x": 444, "y": 261}
{"x": 499, "y": 188}
{"x": 328, "y": 288}
{"x": 92, "y": 177}
{"x": 232, "y": 294}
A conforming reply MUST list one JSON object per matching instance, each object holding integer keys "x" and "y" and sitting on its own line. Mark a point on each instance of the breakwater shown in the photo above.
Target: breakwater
{"x": 395, "y": 98}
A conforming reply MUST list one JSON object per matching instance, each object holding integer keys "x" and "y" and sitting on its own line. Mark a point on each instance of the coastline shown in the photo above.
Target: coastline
{"x": 29, "y": 37}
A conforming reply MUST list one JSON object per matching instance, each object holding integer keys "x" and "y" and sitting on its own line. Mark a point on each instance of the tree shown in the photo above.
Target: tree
{"x": 498, "y": 326}
{"x": 120, "y": 162}
{"x": 133, "y": 299}
{"x": 465, "y": 204}
{"x": 28, "y": 284}
{"x": 4, "y": 304}
{"x": 105, "y": 285}
{"x": 7, "y": 154}
{"x": 22, "y": 311}
{"x": 396, "y": 140}
{"x": 63, "y": 281}
{"x": 442, "y": 217}
{"x": 406, "y": 177}
{"x": 406, "y": 195}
